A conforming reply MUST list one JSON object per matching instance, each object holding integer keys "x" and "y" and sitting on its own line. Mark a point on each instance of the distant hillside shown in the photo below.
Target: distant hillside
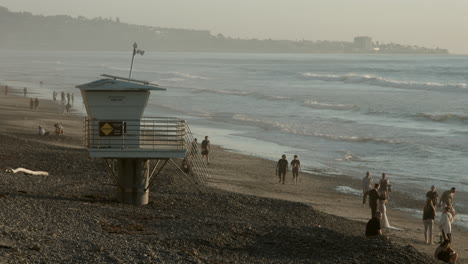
{"x": 24, "y": 30}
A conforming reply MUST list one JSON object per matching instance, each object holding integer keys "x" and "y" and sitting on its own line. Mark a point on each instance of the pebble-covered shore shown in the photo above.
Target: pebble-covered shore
{"x": 71, "y": 216}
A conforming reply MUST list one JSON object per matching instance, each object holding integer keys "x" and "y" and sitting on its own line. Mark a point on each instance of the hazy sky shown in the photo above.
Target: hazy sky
{"x": 429, "y": 23}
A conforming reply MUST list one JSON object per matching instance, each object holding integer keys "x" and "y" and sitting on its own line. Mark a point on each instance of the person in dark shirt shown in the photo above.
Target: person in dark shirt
{"x": 36, "y": 103}
{"x": 281, "y": 168}
{"x": 432, "y": 195}
{"x": 206, "y": 147}
{"x": 296, "y": 167}
{"x": 374, "y": 198}
{"x": 373, "y": 228}
{"x": 445, "y": 253}
{"x": 429, "y": 213}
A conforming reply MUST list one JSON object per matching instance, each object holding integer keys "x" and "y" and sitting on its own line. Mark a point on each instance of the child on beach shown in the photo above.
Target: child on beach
{"x": 58, "y": 129}
{"x": 42, "y": 131}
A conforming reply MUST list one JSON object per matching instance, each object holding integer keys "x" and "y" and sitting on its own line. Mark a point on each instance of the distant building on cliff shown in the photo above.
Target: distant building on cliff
{"x": 363, "y": 43}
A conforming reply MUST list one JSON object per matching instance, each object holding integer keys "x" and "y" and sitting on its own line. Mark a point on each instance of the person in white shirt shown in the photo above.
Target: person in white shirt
{"x": 42, "y": 131}
{"x": 445, "y": 224}
{"x": 367, "y": 184}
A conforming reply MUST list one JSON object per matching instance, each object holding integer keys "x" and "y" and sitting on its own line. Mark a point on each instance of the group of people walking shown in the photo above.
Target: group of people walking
{"x": 205, "y": 147}
{"x": 65, "y": 99}
{"x": 283, "y": 165}
{"x": 378, "y": 195}
{"x": 444, "y": 251}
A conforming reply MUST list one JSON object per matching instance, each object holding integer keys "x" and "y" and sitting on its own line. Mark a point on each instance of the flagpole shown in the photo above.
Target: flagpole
{"x": 135, "y": 46}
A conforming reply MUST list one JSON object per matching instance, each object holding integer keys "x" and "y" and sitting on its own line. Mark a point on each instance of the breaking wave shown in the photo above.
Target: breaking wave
{"x": 171, "y": 76}
{"x": 383, "y": 82}
{"x": 207, "y": 90}
{"x": 319, "y": 105}
{"x": 444, "y": 117}
{"x": 299, "y": 130}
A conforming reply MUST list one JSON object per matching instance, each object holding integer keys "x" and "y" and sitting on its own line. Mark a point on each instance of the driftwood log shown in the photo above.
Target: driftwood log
{"x": 44, "y": 173}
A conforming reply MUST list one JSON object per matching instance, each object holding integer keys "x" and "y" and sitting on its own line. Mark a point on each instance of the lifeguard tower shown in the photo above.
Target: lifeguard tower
{"x": 116, "y": 131}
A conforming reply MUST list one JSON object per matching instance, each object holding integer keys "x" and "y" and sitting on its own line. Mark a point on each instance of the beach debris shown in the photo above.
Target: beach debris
{"x": 26, "y": 171}
{"x": 6, "y": 243}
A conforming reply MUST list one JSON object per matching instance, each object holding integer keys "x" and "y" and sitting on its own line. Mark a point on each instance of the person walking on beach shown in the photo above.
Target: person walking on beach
{"x": 445, "y": 224}
{"x": 281, "y": 168}
{"x": 367, "y": 184}
{"x": 432, "y": 195}
{"x": 374, "y": 198}
{"x": 296, "y": 166}
{"x": 206, "y": 147}
{"x": 54, "y": 96}
{"x": 68, "y": 98}
{"x": 73, "y": 98}
{"x": 36, "y": 103}
{"x": 25, "y": 91}
{"x": 31, "y": 103}
{"x": 385, "y": 185}
{"x": 446, "y": 200}
{"x": 429, "y": 214}
{"x": 62, "y": 97}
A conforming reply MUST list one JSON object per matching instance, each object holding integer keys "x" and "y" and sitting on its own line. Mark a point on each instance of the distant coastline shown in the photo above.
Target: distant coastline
{"x": 25, "y": 31}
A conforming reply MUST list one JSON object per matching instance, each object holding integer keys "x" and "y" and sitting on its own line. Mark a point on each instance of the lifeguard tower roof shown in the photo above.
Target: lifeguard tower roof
{"x": 115, "y": 83}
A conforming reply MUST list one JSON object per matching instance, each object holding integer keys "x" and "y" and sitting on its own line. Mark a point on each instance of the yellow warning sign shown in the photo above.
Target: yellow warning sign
{"x": 106, "y": 129}
{"x": 111, "y": 128}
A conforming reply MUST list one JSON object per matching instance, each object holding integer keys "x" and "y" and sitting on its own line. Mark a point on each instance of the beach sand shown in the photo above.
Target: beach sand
{"x": 244, "y": 215}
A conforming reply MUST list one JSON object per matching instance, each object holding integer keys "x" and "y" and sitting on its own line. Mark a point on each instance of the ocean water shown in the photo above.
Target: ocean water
{"x": 403, "y": 115}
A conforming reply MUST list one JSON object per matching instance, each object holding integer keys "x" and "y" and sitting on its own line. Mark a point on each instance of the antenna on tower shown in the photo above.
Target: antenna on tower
{"x": 135, "y": 51}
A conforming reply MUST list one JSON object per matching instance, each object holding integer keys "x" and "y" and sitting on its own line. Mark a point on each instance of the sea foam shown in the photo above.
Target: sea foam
{"x": 384, "y": 82}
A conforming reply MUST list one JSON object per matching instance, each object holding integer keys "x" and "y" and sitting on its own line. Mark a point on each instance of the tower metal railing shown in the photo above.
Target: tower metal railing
{"x": 152, "y": 133}
{"x": 195, "y": 158}
{"x": 148, "y": 134}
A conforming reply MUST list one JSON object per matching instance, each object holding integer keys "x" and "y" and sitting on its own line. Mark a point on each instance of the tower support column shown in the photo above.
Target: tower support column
{"x": 133, "y": 177}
